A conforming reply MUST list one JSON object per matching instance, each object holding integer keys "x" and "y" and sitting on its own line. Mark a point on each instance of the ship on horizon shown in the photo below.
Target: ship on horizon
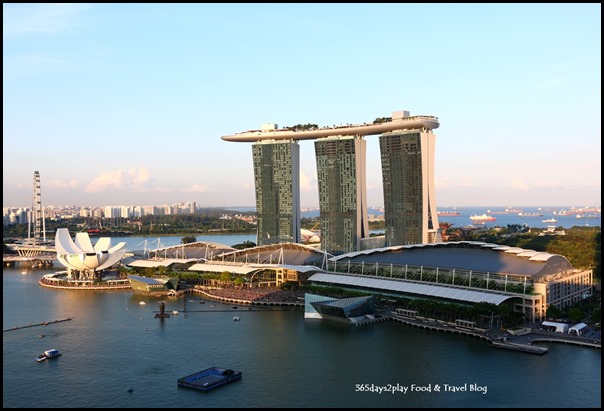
{"x": 523, "y": 214}
{"x": 448, "y": 213}
{"x": 482, "y": 218}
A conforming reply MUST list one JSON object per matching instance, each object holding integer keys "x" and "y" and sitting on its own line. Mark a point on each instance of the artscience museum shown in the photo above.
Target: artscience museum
{"x": 84, "y": 261}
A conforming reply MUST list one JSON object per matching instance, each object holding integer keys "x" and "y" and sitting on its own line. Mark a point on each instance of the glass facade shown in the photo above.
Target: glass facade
{"x": 408, "y": 182}
{"x": 277, "y": 181}
{"x": 342, "y": 193}
{"x": 345, "y": 309}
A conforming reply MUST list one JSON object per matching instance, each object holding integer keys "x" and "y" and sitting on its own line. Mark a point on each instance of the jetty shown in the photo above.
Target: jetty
{"x": 476, "y": 332}
{"x": 36, "y": 325}
{"x": 527, "y": 348}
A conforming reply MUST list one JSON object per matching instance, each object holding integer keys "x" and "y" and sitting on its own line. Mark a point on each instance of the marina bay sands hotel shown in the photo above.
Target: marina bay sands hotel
{"x": 407, "y": 158}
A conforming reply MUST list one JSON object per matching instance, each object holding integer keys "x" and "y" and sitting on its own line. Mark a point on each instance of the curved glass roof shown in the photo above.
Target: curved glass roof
{"x": 429, "y": 290}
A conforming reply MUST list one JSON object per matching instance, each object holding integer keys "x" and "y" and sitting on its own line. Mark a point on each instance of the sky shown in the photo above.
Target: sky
{"x": 126, "y": 104}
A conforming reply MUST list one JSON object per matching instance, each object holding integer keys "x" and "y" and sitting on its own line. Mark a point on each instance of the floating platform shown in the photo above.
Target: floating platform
{"x": 209, "y": 378}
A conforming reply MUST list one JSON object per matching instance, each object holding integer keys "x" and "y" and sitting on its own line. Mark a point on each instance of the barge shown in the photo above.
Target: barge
{"x": 209, "y": 378}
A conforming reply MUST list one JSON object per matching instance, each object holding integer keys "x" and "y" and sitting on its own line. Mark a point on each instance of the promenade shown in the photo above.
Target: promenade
{"x": 503, "y": 339}
{"x": 497, "y": 338}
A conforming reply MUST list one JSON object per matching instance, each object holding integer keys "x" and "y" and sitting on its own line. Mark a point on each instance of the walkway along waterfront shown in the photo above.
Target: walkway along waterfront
{"x": 276, "y": 297}
{"x": 40, "y": 260}
{"x": 506, "y": 341}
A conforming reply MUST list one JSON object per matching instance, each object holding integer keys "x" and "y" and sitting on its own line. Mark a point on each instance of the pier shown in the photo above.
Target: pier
{"x": 531, "y": 349}
{"x": 39, "y": 260}
{"x": 451, "y": 328}
{"x": 36, "y": 325}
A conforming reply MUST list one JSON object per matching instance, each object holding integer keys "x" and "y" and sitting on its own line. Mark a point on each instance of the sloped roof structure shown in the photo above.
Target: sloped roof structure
{"x": 283, "y": 253}
{"x": 465, "y": 255}
{"x": 407, "y": 287}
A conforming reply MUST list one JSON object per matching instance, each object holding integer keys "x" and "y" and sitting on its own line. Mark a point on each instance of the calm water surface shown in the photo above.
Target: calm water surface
{"x": 113, "y": 342}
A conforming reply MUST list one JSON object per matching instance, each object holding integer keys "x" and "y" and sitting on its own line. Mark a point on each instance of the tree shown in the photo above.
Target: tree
{"x": 596, "y": 315}
{"x": 553, "y": 312}
{"x": 575, "y": 314}
{"x": 225, "y": 277}
{"x": 444, "y": 226}
{"x": 188, "y": 239}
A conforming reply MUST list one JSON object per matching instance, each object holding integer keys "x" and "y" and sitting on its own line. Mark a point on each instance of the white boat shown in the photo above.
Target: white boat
{"x": 174, "y": 312}
{"x": 549, "y": 220}
{"x": 236, "y": 318}
{"x": 142, "y": 303}
{"x": 48, "y": 354}
{"x": 482, "y": 218}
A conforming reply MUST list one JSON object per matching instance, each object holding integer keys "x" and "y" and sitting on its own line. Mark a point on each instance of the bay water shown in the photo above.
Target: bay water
{"x": 113, "y": 343}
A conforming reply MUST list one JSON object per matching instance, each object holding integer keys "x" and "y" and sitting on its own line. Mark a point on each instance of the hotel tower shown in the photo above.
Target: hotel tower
{"x": 407, "y": 154}
{"x": 277, "y": 181}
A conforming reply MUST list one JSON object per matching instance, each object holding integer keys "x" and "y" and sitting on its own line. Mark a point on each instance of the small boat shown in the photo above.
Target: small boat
{"x": 236, "y": 318}
{"x": 142, "y": 303}
{"x": 48, "y": 354}
{"x": 174, "y": 312}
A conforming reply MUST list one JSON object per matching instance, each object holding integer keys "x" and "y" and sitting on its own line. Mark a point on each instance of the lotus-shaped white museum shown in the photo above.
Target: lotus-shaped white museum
{"x": 83, "y": 261}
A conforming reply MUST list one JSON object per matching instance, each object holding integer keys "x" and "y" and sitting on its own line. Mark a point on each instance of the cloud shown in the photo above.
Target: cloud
{"x": 197, "y": 188}
{"x": 46, "y": 18}
{"x": 306, "y": 184}
{"x": 444, "y": 184}
{"x": 517, "y": 184}
{"x": 134, "y": 179}
{"x": 63, "y": 185}
{"x": 520, "y": 185}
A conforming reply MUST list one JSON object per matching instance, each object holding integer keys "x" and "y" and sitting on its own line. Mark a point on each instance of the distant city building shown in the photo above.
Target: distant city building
{"x": 341, "y": 167}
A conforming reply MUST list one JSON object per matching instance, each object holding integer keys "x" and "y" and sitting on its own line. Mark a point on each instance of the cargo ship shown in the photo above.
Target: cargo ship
{"x": 448, "y": 213}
